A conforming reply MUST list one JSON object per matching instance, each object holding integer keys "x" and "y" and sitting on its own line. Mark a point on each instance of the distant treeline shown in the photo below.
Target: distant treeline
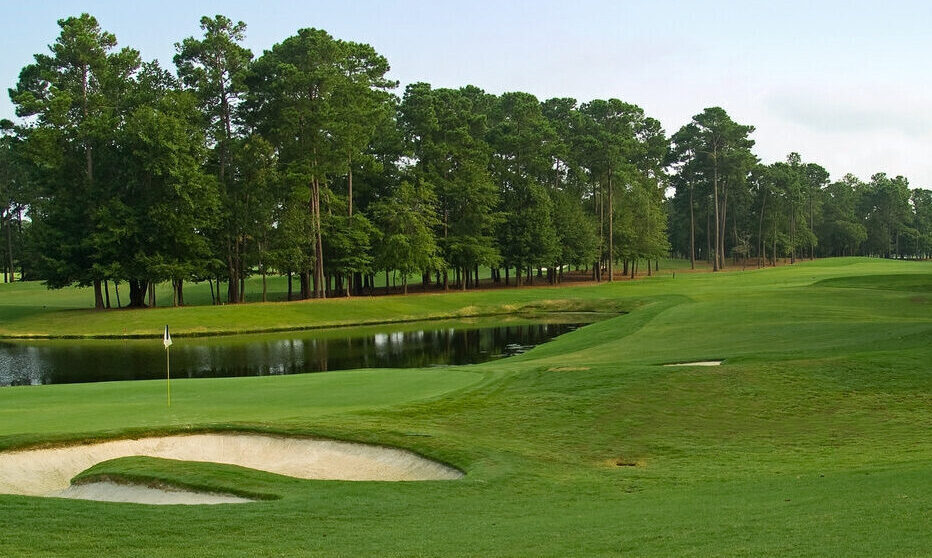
{"x": 305, "y": 162}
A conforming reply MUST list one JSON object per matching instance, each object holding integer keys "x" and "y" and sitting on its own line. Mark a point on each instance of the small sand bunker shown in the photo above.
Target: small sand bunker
{"x": 48, "y": 472}
{"x": 106, "y": 491}
{"x": 700, "y": 363}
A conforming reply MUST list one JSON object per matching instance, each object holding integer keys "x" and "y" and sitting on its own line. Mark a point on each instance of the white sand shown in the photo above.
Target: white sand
{"x": 48, "y": 472}
{"x": 113, "y": 492}
{"x": 700, "y": 363}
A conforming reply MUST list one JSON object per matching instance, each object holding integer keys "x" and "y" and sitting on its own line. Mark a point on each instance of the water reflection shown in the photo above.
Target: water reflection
{"x": 72, "y": 361}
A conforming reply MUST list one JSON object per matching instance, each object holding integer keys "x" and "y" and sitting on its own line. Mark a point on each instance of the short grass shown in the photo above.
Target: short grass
{"x": 30, "y": 310}
{"x": 811, "y": 439}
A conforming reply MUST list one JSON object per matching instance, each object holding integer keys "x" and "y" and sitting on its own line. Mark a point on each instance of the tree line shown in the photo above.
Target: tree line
{"x": 727, "y": 203}
{"x": 305, "y": 162}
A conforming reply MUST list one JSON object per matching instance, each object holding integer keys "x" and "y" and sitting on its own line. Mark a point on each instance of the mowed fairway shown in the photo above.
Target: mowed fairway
{"x": 814, "y": 437}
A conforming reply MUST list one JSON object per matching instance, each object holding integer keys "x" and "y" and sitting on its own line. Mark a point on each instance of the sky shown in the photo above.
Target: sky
{"x": 847, "y": 84}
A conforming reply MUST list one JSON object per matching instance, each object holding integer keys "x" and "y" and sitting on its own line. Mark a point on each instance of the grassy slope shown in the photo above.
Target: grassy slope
{"x": 812, "y": 439}
{"x": 28, "y": 310}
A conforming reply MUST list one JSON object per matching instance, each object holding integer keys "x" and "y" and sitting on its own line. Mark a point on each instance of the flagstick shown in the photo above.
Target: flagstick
{"x": 168, "y": 377}
{"x": 167, "y": 341}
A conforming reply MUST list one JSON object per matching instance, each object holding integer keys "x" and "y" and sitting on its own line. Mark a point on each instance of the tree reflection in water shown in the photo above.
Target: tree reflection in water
{"x": 71, "y": 361}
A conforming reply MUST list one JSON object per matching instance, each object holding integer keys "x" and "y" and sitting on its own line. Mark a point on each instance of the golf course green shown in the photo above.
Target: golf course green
{"x": 812, "y": 438}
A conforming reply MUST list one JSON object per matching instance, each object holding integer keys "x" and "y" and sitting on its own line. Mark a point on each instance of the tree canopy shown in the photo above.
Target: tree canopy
{"x": 307, "y": 161}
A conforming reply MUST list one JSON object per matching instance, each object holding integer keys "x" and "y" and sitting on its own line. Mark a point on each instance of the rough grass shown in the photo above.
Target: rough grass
{"x": 811, "y": 439}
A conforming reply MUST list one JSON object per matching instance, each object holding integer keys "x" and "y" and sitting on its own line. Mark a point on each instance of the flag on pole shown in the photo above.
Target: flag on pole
{"x": 167, "y": 341}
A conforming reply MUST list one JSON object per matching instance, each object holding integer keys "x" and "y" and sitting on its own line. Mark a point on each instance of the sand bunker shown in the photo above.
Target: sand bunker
{"x": 48, "y": 472}
{"x": 700, "y": 363}
{"x": 106, "y": 491}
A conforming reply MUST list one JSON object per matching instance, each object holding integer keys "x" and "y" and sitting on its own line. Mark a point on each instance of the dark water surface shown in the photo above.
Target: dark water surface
{"x": 35, "y": 362}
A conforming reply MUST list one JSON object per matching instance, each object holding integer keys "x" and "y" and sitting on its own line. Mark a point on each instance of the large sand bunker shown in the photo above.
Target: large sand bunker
{"x": 48, "y": 472}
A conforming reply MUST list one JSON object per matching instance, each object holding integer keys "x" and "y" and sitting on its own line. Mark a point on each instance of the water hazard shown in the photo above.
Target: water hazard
{"x": 35, "y": 362}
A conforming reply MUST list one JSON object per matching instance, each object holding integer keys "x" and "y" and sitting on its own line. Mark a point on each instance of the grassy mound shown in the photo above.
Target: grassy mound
{"x": 917, "y": 282}
{"x": 196, "y": 476}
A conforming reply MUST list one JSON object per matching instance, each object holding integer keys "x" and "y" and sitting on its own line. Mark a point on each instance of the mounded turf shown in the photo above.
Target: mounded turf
{"x": 812, "y": 438}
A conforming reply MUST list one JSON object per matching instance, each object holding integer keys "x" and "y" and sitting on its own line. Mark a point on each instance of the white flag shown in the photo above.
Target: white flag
{"x": 167, "y": 338}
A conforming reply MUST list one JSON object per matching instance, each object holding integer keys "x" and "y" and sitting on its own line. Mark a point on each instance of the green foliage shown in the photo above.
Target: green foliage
{"x": 577, "y": 233}
{"x": 123, "y": 172}
{"x": 446, "y": 129}
{"x": 713, "y": 157}
{"x": 74, "y": 97}
{"x": 406, "y": 221}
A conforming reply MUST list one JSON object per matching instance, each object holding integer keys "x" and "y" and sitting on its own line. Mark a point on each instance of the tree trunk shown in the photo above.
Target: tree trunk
{"x": 611, "y": 228}
{"x": 98, "y": 295}
{"x": 349, "y": 185}
{"x": 305, "y": 279}
{"x": 601, "y": 226}
{"x": 318, "y": 243}
{"x": 760, "y": 231}
{"x": 773, "y": 252}
{"x": 762, "y": 257}
{"x": 233, "y": 279}
{"x": 9, "y": 247}
{"x": 262, "y": 271}
{"x": 715, "y": 203}
{"x": 116, "y": 291}
{"x": 692, "y": 232}
{"x": 289, "y": 285}
{"x": 107, "y": 293}
{"x": 721, "y": 242}
{"x": 811, "y": 231}
{"x": 241, "y": 258}
{"x": 137, "y": 293}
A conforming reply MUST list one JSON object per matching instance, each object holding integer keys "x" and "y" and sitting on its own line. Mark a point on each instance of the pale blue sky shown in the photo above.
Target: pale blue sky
{"x": 846, "y": 84}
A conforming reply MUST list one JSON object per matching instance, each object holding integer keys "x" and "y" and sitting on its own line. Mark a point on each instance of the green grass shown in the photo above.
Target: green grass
{"x": 29, "y": 310}
{"x": 811, "y": 439}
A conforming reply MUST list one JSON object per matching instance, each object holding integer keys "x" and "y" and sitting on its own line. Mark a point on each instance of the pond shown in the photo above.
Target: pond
{"x": 411, "y": 345}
